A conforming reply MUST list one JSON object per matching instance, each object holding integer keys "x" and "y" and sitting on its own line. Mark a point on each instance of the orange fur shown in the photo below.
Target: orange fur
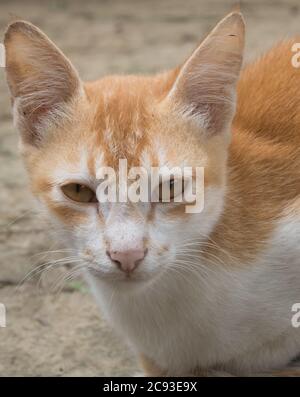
{"x": 147, "y": 118}
{"x": 264, "y": 155}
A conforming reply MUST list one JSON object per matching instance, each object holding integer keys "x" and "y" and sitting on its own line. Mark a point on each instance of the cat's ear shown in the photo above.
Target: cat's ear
{"x": 205, "y": 86}
{"x": 41, "y": 79}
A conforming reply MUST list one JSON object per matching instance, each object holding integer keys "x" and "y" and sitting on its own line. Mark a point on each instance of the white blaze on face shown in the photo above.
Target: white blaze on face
{"x": 124, "y": 230}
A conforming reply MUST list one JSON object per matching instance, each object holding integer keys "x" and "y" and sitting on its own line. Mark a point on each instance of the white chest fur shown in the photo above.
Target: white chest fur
{"x": 238, "y": 318}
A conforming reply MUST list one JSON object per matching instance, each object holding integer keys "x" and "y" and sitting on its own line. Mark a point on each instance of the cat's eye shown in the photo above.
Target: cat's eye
{"x": 170, "y": 189}
{"x": 78, "y": 192}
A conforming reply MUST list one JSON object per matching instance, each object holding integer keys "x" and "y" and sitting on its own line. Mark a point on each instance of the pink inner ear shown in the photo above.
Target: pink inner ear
{"x": 206, "y": 83}
{"x": 40, "y": 77}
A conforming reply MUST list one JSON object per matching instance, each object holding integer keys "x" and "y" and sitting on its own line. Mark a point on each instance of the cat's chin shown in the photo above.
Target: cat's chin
{"x": 126, "y": 286}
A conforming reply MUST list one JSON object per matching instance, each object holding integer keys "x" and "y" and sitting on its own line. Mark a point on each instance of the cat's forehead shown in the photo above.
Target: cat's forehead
{"x": 124, "y": 121}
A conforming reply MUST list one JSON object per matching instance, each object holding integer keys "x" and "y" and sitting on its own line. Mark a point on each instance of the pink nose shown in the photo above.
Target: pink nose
{"x": 127, "y": 260}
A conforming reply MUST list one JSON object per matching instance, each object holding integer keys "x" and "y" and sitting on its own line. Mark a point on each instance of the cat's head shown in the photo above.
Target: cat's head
{"x": 70, "y": 130}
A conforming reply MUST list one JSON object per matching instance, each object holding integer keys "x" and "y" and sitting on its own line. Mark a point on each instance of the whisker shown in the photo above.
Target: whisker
{"x": 43, "y": 267}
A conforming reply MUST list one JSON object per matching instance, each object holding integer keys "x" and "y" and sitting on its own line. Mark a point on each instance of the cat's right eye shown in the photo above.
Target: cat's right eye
{"x": 79, "y": 193}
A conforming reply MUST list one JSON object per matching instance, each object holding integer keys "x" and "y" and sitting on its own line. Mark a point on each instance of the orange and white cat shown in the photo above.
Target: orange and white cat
{"x": 194, "y": 294}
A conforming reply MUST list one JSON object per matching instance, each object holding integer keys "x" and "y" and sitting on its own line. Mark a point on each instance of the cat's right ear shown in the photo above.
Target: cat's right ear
{"x": 42, "y": 81}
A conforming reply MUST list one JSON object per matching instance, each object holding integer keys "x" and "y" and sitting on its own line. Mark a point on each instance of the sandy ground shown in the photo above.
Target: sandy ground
{"x": 63, "y": 334}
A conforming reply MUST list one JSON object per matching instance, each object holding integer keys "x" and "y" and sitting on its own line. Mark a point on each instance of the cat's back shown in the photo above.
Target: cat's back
{"x": 269, "y": 96}
{"x": 266, "y": 129}
{"x": 263, "y": 196}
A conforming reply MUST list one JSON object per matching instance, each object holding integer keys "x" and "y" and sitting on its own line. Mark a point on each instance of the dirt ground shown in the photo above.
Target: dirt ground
{"x": 63, "y": 333}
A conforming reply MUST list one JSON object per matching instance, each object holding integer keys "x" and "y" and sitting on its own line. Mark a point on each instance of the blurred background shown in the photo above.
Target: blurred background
{"x": 52, "y": 332}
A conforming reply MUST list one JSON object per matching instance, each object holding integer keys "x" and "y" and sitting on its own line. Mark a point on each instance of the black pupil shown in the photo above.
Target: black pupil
{"x": 78, "y": 187}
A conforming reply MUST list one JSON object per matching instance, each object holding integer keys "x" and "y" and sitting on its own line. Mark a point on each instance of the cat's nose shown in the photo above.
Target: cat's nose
{"x": 127, "y": 260}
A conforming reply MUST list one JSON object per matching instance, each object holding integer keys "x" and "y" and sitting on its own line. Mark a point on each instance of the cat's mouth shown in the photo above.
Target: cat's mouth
{"x": 120, "y": 277}
{"x": 113, "y": 275}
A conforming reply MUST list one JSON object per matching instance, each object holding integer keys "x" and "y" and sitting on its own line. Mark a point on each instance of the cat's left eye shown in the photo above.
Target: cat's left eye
{"x": 79, "y": 193}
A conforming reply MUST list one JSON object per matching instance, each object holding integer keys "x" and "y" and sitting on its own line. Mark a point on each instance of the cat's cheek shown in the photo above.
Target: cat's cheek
{"x": 162, "y": 242}
{"x": 69, "y": 215}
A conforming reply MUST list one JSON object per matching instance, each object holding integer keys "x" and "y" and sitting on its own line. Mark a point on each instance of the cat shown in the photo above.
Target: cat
{"x": 202, "y": 294}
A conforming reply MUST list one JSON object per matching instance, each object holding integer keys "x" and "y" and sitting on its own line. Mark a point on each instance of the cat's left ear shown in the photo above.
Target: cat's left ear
{"x": 41, "y": 79}
{"x": 205, "y": 87}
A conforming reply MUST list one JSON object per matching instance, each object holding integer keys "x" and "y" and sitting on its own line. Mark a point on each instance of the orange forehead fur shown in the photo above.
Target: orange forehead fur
{"x": 123, "y": 117}
{"x": 123, "y": 112}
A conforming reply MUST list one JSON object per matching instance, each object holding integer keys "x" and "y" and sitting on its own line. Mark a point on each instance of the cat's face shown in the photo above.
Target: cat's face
{"x": 146, "y": 135}
{"x": 71, "y": 130}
